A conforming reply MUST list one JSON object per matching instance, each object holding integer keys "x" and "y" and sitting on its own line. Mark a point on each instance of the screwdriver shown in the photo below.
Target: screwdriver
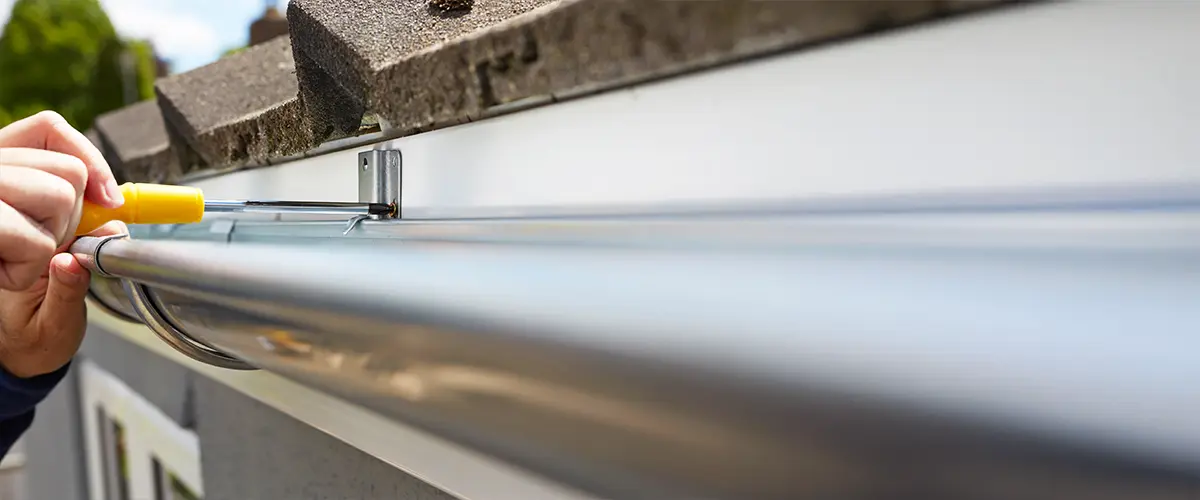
{"x": 168, "y": 204}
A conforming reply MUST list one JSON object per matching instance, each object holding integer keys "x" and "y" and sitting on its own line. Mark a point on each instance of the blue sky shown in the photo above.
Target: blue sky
{"x": 189, "y": 33}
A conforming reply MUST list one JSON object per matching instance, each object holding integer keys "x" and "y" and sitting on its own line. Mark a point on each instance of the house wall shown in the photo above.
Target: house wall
{"x": 248, "y": 450}
{"x": 54, "y": 459}
{"x": 252, "y": 451}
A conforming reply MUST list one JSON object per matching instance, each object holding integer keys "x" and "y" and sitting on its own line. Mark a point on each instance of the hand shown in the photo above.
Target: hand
{"x": 47, "y": 168}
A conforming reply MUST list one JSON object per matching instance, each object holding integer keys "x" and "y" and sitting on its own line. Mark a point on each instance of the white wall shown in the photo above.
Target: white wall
{"x": 1060, "y": 94}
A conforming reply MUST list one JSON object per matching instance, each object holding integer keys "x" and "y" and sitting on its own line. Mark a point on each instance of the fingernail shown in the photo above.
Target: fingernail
{"x": 62, "y": 266}
{"x": 114, "y": 192}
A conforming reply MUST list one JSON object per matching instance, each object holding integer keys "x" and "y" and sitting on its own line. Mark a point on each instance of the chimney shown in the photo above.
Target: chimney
{"x": 270, "y": 25}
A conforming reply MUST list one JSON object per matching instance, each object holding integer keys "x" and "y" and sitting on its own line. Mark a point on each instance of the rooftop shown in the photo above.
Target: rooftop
{"x": 400, "y": 67}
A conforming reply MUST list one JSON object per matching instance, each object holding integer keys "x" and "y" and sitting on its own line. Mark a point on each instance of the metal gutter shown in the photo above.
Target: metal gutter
{"x": 638, "y": 370}
{"x": 458, "y": 471}
{"x": 1007, "y": 343}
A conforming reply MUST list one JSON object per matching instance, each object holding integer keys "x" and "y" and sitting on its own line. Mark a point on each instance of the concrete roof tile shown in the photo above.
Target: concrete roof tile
{"x": 410, "y": 65}
{"x": 240, "y": 109}
{"x": 414, "y": 65}
{"x": 341, "y": 45}
{"x": 135, "y": 143}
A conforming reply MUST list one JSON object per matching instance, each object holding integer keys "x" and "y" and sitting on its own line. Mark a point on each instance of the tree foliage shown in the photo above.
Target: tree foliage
{"x": 65, "y": 55}
{"x": 233, "y": 50}
{"x": 146, "y": 67}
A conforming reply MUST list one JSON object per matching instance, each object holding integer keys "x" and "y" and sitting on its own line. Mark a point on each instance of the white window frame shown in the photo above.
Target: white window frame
{"x": 149, "y": 435}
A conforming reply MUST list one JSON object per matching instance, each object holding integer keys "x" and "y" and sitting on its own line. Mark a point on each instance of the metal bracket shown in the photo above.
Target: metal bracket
{"x": 353, "y": 223}
{"x": 146, "y": 308}
{"x": 114, "y": 312}
{"x": 87, "y": 252}
{"x": 379, "y": 179}
{"x": 378, "y": 182}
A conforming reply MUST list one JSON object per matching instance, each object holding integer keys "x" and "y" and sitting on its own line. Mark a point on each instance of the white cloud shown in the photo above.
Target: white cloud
{"x": 189, "y": 33}
{"x": 5, "y": 10}
{"x": 176, "y": 35}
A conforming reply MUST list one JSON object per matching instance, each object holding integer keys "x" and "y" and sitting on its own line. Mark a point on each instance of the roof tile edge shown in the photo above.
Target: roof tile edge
{"x": 564, "y": 49}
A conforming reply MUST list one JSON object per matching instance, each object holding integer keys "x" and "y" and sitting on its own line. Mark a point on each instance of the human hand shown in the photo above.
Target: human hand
{"x": 47, "y": 168}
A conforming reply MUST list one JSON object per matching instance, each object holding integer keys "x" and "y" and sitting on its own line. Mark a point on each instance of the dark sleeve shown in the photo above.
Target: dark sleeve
{"x": 18, "y": 397}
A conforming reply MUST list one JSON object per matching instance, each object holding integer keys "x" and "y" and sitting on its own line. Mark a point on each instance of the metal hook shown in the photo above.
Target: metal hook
{"x": 139, "y": 296}
{"x": 353, "y": 223}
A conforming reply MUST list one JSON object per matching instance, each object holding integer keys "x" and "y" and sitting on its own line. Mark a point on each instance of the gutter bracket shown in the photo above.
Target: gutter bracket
{"x": 157, "y": 322}
{"x": 379, "y": 179}
{"x": 87, "y": 251}
{"x": 378, "y": 182}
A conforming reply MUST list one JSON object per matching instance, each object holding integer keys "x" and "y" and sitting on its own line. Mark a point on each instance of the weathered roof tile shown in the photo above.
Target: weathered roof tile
{"x": 134, "y": 141}
{"x": 420, "y": 64}
{"x": 242, "y": 108}
{"x": 342, "y": 45}
{"x": 407, "y": 63}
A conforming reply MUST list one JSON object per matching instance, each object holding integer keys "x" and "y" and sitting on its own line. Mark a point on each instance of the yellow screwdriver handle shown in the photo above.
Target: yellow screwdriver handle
{"x": 146, "y": 204}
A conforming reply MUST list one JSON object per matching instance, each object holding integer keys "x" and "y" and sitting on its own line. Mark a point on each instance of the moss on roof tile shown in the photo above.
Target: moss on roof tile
{"x": 341, "y": 45}
{"x": 134, "y": 141}
{"x": 239, "y": 109}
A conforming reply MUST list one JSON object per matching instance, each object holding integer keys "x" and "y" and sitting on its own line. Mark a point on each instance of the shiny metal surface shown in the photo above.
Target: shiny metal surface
{"x": 379, "y": 180}
{"x": 87, "y": 251}
{"x": 143, "y": 306}
{"x": 836, "y": 370}
{"x": 105, "y": 291}
{"x": 296, "y": 207}
{"x": 108, "y": 294}
{"x": 148, "y": 312}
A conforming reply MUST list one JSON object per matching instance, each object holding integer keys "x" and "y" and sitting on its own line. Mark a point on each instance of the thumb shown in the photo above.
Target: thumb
{"x": 63, "y": 306}
{"x": 56, "y": 329}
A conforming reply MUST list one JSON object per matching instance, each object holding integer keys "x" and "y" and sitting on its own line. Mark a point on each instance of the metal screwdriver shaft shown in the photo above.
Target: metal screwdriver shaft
{"x": 349, "y": 209}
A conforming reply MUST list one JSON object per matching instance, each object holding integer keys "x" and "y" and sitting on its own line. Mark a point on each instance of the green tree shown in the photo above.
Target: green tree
{"x": 146, "y": 67}
{"x": 233, "y": 50}
{"x": 65, "y": 55}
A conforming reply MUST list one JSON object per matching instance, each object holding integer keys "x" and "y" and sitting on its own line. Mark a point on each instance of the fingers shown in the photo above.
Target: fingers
{"x": 110, "y": 228}
{"x": 25, "y": 249}
{"x": 69, "y": 168}
{"x": 47, "y": 199}
{"x": 68, "y": 285}
{"x": 49, "y": 323}
{"x": 49, "y": 130}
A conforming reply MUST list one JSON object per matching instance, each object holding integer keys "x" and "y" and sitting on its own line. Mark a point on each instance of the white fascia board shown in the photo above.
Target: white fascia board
{"x": 1046, "y": 95}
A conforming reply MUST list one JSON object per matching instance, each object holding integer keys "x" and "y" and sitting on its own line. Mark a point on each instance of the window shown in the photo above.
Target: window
{"x": 135, "y": 452}
{"x": 113, "y": 464}
{"x": 168, "y": 486}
